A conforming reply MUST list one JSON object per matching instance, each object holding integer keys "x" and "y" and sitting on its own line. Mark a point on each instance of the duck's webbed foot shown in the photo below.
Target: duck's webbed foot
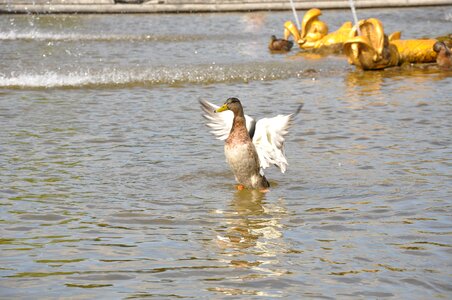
{"x": 240, "y": 187}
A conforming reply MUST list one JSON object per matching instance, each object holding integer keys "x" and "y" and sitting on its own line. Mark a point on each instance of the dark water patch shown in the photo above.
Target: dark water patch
{"x": 336, "y": 228}
{"x": 156, "y": 295}
{"x": 8, "y": 191}
{"x": 391, "y": 268}
{"x": 433, "y": 244}
{"x": 39, "y": 274}
{"x": 111, "y": 274}
{"x": 419, "y": 283}
{"x": 317, "y": 296}
{"x": 88, "y": 285}
{"x": 42, "y": 217}
{"x": 150, "y": 221}
{"x": 100, "y": 277}
{"x": 329, "y": 209}
{"x": 334, "y": 137}
{"x": 19, "y": 228}
{"x": 424, "y": 122}
{"x": 117, "y": 245}
{"x": 435, "y": 232}
{"x": 369, "y": 294}
{"x": 331, "y": 262}
{"x": 352, "y": 272}
{"x": 59, "y": 261}
{"x": 44, "y": 197}
{"x": 366, "y": 167}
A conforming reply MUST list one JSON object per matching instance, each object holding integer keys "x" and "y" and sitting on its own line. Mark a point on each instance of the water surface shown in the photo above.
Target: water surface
{"x": 112, "y": 187}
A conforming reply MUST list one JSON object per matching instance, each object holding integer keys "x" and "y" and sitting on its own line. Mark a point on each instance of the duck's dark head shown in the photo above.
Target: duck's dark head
{"x": 273, "y": 38}
{"x": 441, "y": 46}
{"x": 232, "y": 104}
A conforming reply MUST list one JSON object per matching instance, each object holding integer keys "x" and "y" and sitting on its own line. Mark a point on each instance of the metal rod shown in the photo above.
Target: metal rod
{"x": 295, "y": 15}
{"x": 355, "y": 16}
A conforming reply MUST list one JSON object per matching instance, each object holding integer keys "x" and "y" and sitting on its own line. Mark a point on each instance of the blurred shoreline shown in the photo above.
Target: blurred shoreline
{"x": 184, "y": 6}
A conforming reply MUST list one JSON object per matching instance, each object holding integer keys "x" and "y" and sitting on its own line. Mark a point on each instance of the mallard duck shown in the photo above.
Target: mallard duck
{"x": 444, "y": 58}
{"x": 279, "y": 44}
{"x": 250, "y": 146}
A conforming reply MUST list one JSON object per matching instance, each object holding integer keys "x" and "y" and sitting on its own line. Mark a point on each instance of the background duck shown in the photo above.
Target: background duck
{"x": 250, "y": 146}
{"x": 279, "y": 44}
{"x": 444, "y": 57}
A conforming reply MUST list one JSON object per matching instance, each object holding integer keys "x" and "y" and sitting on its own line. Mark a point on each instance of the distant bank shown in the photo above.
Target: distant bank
{"x": 187, "y": 6}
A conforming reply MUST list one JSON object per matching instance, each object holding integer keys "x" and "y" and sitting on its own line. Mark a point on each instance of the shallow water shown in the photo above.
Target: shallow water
{"x": 112, "y": 187}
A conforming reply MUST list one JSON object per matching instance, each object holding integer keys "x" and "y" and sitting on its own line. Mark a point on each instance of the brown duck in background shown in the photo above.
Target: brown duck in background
{"x": 444, "y": 58}
{"x": 281, "y": 45}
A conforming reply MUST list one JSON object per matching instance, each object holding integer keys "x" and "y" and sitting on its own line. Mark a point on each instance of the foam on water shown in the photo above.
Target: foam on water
{"x": 39, "y": 35}
{"x": 34, "y": 34}
{"x": 198, "y": 74}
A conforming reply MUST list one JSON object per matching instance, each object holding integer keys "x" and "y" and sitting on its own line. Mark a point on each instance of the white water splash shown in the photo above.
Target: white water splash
{"x": 448, "y": 16}
{"x": 49, "y": 79}
{"x": 201, "y": 74}
{"x": 64, "y": 36}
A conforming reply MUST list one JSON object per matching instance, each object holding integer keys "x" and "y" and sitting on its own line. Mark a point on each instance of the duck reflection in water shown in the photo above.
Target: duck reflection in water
{"x": 252, "y": 229}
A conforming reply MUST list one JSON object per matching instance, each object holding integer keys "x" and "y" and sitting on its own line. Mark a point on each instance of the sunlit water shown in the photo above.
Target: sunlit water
{"x": 112, "y": 187}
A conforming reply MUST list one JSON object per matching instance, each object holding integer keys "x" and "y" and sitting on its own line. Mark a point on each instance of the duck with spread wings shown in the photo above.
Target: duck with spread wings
{"x": 250, "y": 146}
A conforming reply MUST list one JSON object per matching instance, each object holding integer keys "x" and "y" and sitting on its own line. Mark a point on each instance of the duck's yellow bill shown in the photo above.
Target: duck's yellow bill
{"x": 223, "y": 108}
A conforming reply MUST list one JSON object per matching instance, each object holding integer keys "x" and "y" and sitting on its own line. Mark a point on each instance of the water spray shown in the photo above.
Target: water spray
{"x": 355, "y": 17}
{"x": 295, "y": 14}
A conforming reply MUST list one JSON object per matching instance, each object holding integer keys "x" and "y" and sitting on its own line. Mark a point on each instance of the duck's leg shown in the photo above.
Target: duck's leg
{"x": 240, "y": 187}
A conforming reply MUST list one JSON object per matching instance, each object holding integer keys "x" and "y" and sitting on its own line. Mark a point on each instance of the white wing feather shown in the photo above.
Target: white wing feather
{"x": 269, "y": 141}
{"x": 221, "y": 123}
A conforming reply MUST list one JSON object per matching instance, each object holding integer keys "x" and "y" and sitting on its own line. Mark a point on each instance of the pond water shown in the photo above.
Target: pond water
{"x": 112, "y": 187}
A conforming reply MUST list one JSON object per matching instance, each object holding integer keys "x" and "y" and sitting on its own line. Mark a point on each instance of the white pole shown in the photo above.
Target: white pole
{"x": 295, "y": 15}
{"x": 355, "y": 17}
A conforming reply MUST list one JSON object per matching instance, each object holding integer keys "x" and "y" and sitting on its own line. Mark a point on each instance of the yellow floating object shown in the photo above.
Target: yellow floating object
{"x": 312, "y": 29}
{"x": 337, "y": 37}
{"x": 374, "y": 50}
{"x": 371, "y": 50}
{"x": 309, "y": 17}
{"x": 416, "y": 51}
{"x": 291, "y": 29}
{"x": 313, "y": 33}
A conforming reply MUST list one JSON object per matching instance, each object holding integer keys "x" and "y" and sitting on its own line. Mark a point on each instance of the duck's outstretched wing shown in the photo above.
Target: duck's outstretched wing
{"x": 221, "y": 123}
{"x": 269, "y": 141}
